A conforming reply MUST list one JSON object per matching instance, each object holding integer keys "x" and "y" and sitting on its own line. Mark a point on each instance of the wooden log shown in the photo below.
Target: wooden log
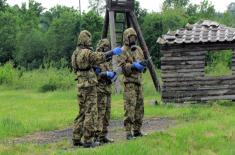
{"x": 182, "y": 71}
{"x": 181, "y": 62}
{"x": 201, "y": 93}
{"x": 176, "y": 67}
{"x": 199, "y": 83}
{"x": 182, "y": 75}
{"x": 199, "y": 47}
{"x": 183, "y": 58}
{"x": 198, "y": 88}
{"x": 199, "y": 99}
{"x": 170, "y": 54}
{"x": 186, "y": 79}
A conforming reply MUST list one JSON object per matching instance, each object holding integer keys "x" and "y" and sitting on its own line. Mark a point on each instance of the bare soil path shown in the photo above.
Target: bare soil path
{"x": 116, "y": 131}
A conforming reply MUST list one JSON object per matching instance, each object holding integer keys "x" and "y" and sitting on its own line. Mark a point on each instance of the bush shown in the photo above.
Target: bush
{"x": 8, "y": 74}
{"x": 51, "y": 86}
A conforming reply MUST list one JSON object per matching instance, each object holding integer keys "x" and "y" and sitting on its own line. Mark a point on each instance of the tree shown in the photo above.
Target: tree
{"x": 93, "y": 23}
{"x": 2, "y": 5}
{"x": 62, "y": 34}
{"x": 206, "y": 10}
{"x": 167, "y": 4}
{"x": 140, "y": 13}
{"x": 152, "y": 29}
{"x": 97, "y": 5}
{"x": 8, "y": 31}
{"x": 231, "y": 8}
{"x": 31, "y": 49}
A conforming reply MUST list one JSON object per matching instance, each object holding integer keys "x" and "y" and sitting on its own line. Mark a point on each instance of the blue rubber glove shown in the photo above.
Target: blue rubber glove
{"x": 110, "y": 74}
{"x": 117, "y": 51}
{"x": 97, "y": 70}
{"x": 137, "y": 65}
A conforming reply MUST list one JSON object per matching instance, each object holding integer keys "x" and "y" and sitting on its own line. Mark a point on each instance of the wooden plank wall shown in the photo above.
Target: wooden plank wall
{"x": 184, "y": 77}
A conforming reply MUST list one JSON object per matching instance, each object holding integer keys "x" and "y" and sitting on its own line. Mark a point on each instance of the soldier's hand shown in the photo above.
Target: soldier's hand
{"x": 110, "y": 74}
{"x": 97, "y": 70}
{"x": 117, "y": 51}
{"x": 138, "y": 66}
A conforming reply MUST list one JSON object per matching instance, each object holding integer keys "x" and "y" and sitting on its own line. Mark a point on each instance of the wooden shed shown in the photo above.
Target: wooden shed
{"x": 183, "y": 63}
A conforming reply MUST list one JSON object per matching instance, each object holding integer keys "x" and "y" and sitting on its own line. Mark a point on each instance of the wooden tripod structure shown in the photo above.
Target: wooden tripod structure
{"x": 114, "y": 9}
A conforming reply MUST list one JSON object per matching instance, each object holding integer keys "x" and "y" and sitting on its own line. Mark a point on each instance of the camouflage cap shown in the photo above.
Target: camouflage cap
{"x": 127, "y": 33}
{"x": 84, "y": 38}
{"x": 102, "y": 44}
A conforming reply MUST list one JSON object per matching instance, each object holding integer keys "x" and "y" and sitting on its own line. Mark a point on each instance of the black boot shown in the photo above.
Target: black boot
{"x": 77, "y": 143}
{"x": 90, "y": 145}
{"x": 139, "y": 134}
{"x": 106, "y": 140}
{"x": 130, "y": 137}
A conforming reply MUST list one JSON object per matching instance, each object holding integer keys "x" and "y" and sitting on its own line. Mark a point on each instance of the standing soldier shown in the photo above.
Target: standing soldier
{"x": 104, "y": 90}
{"x": 131, "y": 63}
{"x": 83, "y": 60}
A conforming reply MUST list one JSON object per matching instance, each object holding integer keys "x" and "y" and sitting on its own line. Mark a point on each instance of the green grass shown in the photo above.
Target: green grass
{"x": 202, "y": 130}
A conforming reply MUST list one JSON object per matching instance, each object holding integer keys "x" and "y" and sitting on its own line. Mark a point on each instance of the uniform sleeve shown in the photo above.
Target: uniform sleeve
{"x": 96, "y": 58}
{"x": 141, "y": 54}
{"x": 73, "y": 60}
{"x": 126, "y": 67}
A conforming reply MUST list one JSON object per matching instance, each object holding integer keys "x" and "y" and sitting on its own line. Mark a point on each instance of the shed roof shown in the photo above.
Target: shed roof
{"x": 201, "y": 32}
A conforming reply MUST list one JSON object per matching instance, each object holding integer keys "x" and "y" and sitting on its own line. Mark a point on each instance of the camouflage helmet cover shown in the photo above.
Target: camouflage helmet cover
{"x": 84, "y": 38}
{"x": 127, "y": 34}
{"x": 103, "y": 43}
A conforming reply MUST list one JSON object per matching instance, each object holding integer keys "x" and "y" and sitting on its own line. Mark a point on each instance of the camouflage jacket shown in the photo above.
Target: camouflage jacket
{"x": 82, "y": 61}
{"x": 126, "y": 60}
{"x": 104, "y": 85}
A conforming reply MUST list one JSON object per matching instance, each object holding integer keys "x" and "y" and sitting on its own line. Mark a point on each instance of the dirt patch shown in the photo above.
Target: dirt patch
{"x": 116, "y": 131}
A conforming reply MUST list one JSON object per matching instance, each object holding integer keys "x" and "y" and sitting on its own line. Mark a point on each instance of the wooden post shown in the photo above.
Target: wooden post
{"x": 143, "y": 45}
{"x": 113, "y": 45}
{"x": 128, "y": 22}
{"x": 233, "y": 63}
{"x": 106, "y": 25}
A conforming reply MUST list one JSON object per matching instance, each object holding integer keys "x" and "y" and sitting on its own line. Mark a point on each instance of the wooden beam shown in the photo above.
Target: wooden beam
{"x": 105, "y": 25}
{"x": 113, "y": 45}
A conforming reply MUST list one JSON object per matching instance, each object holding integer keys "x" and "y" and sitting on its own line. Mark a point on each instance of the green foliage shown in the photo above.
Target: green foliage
{"x": 31, "y": 36}
{"x": 61, "y": 35}
{"x": 7, "y": 74}
{"x": 98, "y": 6}
{"x": 169, "y": 4}
{"x": 31, "y": 49}
{"x": 94, "y": 24}
{"x": 9, "y": 26}
{"x": 218, "y": 63}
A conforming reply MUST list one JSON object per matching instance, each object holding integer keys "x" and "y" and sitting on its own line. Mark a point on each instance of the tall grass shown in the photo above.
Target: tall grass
{"x": 48, "y": 79}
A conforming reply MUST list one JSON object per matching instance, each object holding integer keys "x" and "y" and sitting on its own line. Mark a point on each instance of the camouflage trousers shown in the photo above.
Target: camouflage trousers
{"x": 86, "y": 121}
{"x": 133, "y": 107}
{"x": 104, "y": 110}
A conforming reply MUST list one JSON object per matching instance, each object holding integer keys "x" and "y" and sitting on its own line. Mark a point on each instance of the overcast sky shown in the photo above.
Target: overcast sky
{"x": 150, "y": 5}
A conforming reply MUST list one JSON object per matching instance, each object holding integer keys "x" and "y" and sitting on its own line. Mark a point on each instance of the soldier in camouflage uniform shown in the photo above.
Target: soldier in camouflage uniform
{"x": 104, "y": 90}
{"x": 132, "y": 68}
{"x": 83, "y": 60}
